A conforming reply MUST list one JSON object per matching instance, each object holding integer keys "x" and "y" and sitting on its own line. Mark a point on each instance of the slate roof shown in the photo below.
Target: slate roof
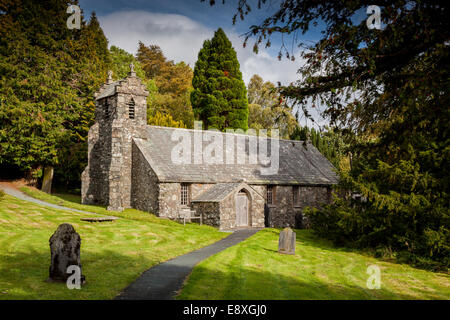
{"x": 217, "y": 192}
{"x": 298, "y": 165}
{"x": 108, "y": 90}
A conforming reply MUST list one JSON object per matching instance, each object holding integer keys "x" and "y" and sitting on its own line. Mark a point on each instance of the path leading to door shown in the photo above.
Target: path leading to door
{"x": 163, "y": 281}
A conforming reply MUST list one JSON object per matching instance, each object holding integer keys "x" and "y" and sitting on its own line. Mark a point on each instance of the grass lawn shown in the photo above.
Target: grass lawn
{"x": 113, "y": 254}
{"x": 255, "y": 270}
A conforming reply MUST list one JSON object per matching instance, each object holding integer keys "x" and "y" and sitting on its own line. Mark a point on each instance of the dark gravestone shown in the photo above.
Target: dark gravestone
{"x": 286, "y": 244}
{"x": 65, "y": 246}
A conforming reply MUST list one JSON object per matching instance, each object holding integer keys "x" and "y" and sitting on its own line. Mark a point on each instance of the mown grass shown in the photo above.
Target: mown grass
{"x": 254, "y": 269}
{"x": 113, "y": 254}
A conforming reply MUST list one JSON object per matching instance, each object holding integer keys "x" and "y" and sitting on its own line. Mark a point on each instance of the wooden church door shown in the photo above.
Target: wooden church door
{"x": 242, "y": 209}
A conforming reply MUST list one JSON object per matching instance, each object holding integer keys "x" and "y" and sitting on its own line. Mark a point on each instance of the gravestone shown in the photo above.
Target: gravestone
{"x": 47, "y": 180}
{"x": 286, "y": 244}
{"x": 65, "y": 246}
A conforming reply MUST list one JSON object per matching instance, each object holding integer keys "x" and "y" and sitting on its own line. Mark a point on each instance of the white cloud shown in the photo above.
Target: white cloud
{"x": 181, "y": 38}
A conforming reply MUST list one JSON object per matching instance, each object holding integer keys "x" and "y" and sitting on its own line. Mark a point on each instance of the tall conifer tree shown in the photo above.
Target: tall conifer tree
{"x": 47, "y": 76}
{"x": 219, "y": 98}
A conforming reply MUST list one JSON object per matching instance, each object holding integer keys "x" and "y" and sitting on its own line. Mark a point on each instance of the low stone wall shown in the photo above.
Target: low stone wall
{"x": 210, "y": 212}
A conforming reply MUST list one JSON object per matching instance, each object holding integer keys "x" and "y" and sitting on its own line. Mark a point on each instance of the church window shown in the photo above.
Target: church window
{"x": 131, "y": 111}
{"x": 184, "y": 194}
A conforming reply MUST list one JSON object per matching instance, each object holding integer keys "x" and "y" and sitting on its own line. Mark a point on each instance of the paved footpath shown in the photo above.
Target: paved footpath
{"x": 163, "y": 281}
{"x": 22, "y": 196}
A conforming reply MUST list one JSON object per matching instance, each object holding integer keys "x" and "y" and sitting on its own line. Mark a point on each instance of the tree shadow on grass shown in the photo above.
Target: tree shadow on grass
{"x": 249, "y": 284}
{"x": 23, "y": 275}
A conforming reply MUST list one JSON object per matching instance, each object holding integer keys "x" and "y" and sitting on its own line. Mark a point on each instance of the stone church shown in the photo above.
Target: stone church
{"x": 130, "y": 165}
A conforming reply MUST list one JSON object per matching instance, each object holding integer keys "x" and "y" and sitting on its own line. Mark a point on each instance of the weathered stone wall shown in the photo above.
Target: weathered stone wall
{"x": 130, "y": 90}
{"x": 210, "y": 212}
{"x": 283, "y": 213}
{"x": 169, "y": 200}
{"x": 144, "y": 183}
{"x": 107, "y": 178}
{"x": 94, "y": 180}
{"x": 228, "y": 210}
{"x": 258, "y": 203}
{"x": 311, "y": 197}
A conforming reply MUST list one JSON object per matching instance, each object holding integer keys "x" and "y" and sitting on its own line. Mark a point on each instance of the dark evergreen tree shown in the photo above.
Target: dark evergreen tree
{"x": 219, "y": 98}
{"x": 47, "y": 76}
{"x": 398, "y": 120}
{"x": 90, "y": 60}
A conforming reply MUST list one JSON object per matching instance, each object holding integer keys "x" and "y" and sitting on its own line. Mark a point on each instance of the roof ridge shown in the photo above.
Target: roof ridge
{"x": 236, "y": 134}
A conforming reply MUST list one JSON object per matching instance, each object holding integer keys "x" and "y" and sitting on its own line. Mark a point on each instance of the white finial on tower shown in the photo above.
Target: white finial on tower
{"x": 132, "y": 72}
{"x": 109, "y": 80}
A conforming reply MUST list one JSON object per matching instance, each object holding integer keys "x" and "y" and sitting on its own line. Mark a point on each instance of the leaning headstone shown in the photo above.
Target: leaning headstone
{"x": 65, "y": 246}
{"x": 286, "y": 244}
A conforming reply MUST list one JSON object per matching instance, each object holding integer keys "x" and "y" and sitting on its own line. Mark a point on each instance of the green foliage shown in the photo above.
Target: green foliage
{"x": 172, "y": 82}
{"x": 267, "y": 110}
{"x": 90, "y": 61}
{"x": 121, "y": 61}
{"x": 389, "y": 89}
{"x": 219, "y": 98}
{"x": 164, "y": 120}
{"x": 48, "y": 75}
{"x": 330, "y": 143}
{"x": 408, "y": 224}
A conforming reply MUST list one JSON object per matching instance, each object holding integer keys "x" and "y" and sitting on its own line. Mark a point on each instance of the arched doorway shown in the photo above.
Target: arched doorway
{"x": 242, "y": 209}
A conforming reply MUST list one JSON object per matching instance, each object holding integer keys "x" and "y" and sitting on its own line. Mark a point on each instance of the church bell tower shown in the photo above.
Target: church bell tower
{"x": 120, "y": 115}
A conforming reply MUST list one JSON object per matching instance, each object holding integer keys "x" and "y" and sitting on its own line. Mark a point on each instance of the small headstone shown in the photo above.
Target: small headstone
{"x": 286, "y": 244}
{"x": 65, "y": 246}
{"x": 47, "y": 180}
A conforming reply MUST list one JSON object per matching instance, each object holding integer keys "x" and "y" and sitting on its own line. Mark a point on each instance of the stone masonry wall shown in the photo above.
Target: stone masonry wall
{"x": 169, "y": 200}
{"x": 95, "y": 178}
{"x": 228, "y": 210}
{"x": 107, "y": 178}
{"x": 124, "y": 129}
{"x": 169, "y": 197}
{"x": 283, "y": 213}
{"x": 210, "y": 212}
{"x": 144, "y": 183}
